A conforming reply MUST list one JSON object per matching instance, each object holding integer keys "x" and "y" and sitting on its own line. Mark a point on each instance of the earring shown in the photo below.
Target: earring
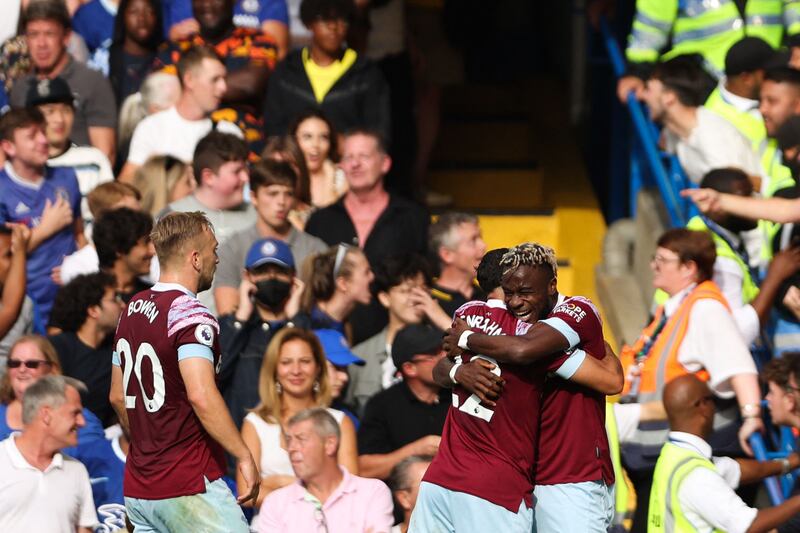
{"x": 278, "y": 387}
{"x": 315, "y": 388}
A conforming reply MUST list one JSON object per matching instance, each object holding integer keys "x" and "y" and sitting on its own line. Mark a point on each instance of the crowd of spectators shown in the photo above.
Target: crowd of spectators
{"x": 291, "y": 125}
{"x": 292, "y": 128}
{"x": 726, "y": 99}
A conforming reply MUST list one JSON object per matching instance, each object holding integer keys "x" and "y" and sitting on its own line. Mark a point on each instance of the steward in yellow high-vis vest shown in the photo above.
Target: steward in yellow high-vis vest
{"x": 693, "y": 491}
{"x": 706, "y": 28}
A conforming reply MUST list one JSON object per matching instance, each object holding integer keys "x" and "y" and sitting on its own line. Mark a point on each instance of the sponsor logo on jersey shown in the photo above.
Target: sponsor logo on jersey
{"x": 21, "y": 209}
{"x": 572, "y": 310}
{"x": 204, "y": 334}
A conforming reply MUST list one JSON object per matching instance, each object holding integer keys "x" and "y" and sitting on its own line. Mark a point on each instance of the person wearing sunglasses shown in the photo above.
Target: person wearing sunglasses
{"x": 30, "y": 358}
{"x": 692, "y": 489}
{"x": 408, "y": 417}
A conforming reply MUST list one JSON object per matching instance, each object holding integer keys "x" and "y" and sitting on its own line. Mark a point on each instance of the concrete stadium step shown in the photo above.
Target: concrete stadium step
{"x": 468, "y": 143}
{"x": 506, "y": 100}
{"x": 491, "y": 188}
{"x": 507, "y": 229}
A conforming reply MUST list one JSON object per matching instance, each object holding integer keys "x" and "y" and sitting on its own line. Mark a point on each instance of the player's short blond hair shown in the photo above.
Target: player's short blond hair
{"x": 175, "y": 230}
{"x": 531, "y": 254}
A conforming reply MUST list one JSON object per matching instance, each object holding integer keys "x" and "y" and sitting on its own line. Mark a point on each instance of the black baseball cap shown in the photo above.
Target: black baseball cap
{"x": 747, "y": 55}
{"x": 414, "y": 340}
{"x": 49, "y": 91}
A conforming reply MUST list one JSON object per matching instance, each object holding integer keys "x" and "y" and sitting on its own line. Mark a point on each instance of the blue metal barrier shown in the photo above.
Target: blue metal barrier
{"x": 772, "y": 484}
{"x": 647, "y": 162}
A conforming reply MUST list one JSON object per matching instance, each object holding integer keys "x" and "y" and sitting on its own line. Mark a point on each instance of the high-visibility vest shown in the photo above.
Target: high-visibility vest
{"x": 664, "y": 514}
{"x": 705, "y": 28}
{"x": 779, "y": 174}
{"x": 659, "y": 368}
{"x": 749, "y": 287}
{"x": 622, "y": 490}
{"x": 662, "y": 363}
{"x": 780, "y": 177}
{"x": 749, "y": 125}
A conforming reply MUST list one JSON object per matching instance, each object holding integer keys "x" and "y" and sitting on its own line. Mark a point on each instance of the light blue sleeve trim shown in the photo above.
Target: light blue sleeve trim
{"x": 571, "y": 365}
{"x": 188, "y": 351}
{"x": 115, "y": 359}
{"x": 565, "y": 329}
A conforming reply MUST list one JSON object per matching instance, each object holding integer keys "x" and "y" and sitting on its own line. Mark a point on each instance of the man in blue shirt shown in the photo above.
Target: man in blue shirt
{"x": 45, "y": 199}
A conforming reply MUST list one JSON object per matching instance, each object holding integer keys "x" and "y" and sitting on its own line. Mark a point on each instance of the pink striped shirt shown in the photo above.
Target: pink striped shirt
{"x": 357, "y": 505}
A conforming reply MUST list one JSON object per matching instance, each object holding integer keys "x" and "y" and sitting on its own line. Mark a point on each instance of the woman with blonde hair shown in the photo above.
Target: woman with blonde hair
{"x": 29, "y": 359}
{"x": 162, "y": 180}
{"x": 293, "y": 377}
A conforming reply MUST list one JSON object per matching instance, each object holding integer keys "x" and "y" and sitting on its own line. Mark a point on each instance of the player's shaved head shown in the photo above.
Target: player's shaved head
{"x": 689, "y": 405}
{"x": 175, "y": 232}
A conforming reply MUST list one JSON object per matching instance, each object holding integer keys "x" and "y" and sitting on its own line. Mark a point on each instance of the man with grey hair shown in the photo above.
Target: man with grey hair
{"x": 32, "y": 470}
{"x": 404, "y": 481}
{"x": 325, "y": 496}
{"x": 456, "y": 242}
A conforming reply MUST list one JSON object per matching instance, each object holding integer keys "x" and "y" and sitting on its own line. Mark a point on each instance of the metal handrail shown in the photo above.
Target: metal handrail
{"x": 772, "y": 484}
{"x": 643, "y": 128}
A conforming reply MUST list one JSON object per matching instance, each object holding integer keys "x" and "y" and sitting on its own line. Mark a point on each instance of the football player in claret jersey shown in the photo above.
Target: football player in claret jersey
{"x": 573, "y": 477}
{"x": 164, "y": 390}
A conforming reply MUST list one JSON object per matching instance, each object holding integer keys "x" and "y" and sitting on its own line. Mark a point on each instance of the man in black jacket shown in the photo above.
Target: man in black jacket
{"x": 380, "y": 223}
{"x": 326, "y": 75}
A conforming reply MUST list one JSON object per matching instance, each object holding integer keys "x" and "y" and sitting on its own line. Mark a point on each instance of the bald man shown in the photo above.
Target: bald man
{"x": 693, "y": 491}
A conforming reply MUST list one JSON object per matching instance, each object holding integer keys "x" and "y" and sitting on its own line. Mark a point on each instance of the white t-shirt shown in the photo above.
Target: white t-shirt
{"x": 168, "y": 133}
{"x": 91, "y": 167}
{"x": 712, "y": 342}
{"x": 10, "y": 19}
{"x": 713, "y": 143}
{"x": 274, "y": 458}
{"x": 707, "y": 498}
{"x": 84, "y": 261}
{"x": 57, "y": 500}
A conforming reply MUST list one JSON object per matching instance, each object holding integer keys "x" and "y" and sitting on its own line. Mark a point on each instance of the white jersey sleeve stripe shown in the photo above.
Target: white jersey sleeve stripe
{"x": 187, "y": 351}
{"x": 571, "y": 365}
{"x": 565, "y": 329}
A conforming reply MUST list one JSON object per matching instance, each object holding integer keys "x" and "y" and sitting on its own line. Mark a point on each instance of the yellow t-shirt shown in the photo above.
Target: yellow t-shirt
{"x": 323, "y": 78}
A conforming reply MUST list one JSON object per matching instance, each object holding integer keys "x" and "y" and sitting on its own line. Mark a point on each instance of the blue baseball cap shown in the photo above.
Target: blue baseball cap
{"x": 269, "y": 251}
{"x": 336, "y": 349}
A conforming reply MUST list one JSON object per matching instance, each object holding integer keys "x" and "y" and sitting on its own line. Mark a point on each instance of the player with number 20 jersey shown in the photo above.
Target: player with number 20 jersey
{"x": 490, "y": 453}
{"x": 172, "y": 453}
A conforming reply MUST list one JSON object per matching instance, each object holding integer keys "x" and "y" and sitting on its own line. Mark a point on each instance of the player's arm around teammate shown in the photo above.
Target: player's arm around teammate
{"x": 603, "y": 375}
{"x": 208, "y": 405}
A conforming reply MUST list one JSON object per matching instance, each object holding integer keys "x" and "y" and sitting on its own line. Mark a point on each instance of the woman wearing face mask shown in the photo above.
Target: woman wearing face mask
{"x": 269, "y": 300}
{"x": 340, "y": 279}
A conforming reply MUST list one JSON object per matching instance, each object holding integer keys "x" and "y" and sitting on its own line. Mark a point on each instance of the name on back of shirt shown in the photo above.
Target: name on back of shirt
{"x": 485, "y": 324}
{"x": 145, "y": 307}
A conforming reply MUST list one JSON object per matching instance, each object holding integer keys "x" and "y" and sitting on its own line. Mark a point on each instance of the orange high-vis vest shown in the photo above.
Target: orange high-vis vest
{"x": 661, "y": 364}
